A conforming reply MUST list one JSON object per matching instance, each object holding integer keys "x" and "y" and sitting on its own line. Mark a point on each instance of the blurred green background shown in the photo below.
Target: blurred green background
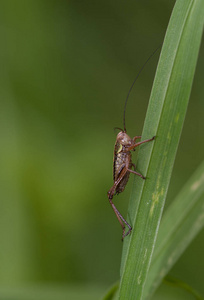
{"x": 66, "y": 68}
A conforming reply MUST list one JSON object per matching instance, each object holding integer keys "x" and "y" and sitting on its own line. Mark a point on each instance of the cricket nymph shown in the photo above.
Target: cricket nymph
{"x": 122, "y": 161}
{"x": 122, "y": 164}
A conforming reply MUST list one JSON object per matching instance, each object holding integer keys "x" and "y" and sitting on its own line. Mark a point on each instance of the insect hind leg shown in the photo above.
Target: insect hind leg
{"x": 120, "y": 219}
{"x": 111, "y": 193}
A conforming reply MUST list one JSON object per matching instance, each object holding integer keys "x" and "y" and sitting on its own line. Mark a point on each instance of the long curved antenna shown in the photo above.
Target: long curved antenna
{"x": 118, "y": 129}
{"x": 134, "y": 83}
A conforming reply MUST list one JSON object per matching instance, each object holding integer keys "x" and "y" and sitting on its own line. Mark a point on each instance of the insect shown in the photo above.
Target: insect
{"x": 122, "y": 161}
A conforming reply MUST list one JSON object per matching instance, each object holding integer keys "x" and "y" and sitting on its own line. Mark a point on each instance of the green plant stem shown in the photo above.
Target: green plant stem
{"x": 165, "y": 117}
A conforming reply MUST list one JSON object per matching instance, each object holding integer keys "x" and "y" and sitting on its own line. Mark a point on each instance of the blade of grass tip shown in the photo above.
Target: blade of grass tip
{"x": 165, "y": 117}
{"x": 181, "y": 223}
{"x": 178, "y": 283}
{"x": 111, "y": 294}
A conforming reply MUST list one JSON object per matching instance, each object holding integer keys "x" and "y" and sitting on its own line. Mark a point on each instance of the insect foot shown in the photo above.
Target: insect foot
{"x": 126, "y": 234}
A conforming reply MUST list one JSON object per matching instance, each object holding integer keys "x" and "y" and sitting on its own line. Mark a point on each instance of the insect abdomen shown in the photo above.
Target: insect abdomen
{"x": 122, "y": 159}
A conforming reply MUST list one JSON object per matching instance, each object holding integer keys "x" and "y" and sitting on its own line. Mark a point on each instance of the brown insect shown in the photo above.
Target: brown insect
{"x": 122, "y": 162}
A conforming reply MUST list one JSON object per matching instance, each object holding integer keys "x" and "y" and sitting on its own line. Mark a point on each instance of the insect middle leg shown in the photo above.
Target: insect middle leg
{"x": 136, "y": 137}
{"x": 136, "y": 173}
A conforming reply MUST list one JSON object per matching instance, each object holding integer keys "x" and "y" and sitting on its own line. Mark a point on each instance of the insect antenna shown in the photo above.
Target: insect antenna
{"x": 118, "y": 129}
{"x": 134, "y": 83}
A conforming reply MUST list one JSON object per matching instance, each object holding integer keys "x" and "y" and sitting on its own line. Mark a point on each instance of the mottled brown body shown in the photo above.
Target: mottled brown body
{"x": 121, "y": 159}
{"x": 122, "y": 167}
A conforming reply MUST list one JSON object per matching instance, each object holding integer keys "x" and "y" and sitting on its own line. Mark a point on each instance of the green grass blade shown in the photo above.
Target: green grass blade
{"x": 178, "y": 283}
{"x": 165, "y": 117}
{"x": 111, "y": 293}
{"x": 180, "y": 224}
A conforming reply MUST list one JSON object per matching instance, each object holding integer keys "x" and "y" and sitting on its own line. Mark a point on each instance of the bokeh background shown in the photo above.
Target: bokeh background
{"x": 66, "y": 68}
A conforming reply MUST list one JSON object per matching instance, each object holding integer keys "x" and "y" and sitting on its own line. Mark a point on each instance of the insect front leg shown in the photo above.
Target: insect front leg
{"x": 139, "y": 143}
{"x": 136, "y": 138}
